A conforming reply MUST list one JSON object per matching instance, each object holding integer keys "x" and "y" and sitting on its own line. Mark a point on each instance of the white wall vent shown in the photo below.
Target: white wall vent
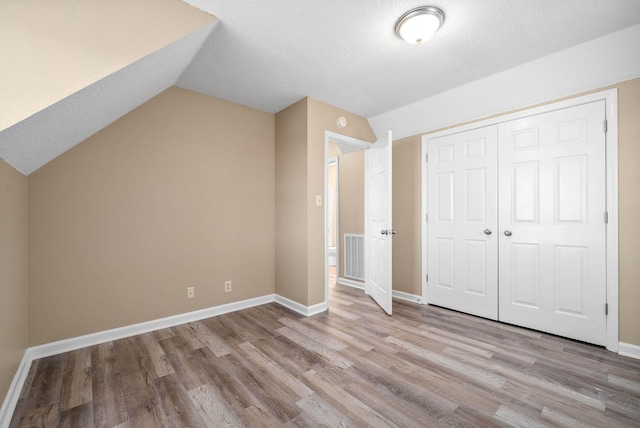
{"x": 354, "y": 256}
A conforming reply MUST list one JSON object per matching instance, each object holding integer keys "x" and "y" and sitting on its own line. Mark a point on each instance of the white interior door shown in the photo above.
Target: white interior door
{"x": 378, "y": 228}
{"x": 462, "y": 223}
{"x": 552, "y": 224}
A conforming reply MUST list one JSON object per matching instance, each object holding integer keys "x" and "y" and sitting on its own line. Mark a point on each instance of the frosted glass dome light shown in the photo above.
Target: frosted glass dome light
{"x": 419, "y": 24}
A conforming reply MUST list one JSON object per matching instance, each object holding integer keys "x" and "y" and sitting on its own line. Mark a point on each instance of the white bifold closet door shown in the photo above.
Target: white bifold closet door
{"x": 552, "y": 206}
{"x": 516, "y": 228}
{"x": 463, "y": 211}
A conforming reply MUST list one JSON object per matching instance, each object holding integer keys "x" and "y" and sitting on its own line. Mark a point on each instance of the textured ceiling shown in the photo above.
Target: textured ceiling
{"x": 71, "y": 67}
{"x": 270, "y": 53}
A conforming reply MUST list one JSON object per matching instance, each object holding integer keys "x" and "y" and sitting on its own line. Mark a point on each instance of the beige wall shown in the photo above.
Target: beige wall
{"x": 180, "y": 192}
{"x": 291, "y": 202}
{"x": 323, "y": 117}
{"x": 407, "y": 212}
{"x": 629, "y": 208}
{"x": 300, "y": 250}
{"x": 13, "y": 273}
{"x": 351, "y": 182}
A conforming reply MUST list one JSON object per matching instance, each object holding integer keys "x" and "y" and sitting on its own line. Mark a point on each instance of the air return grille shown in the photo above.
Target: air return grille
{"x": 354, "y": 256}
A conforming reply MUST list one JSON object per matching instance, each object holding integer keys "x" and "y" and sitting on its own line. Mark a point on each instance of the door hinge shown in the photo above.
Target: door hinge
{"x": 426, "y": 157}
{"x": 606, "y": 217}
{"x": 426, "y": 218}
{"x": 604, "y": 125}
{"x": 426, "y": 278}
{"x": 606, "y": 309}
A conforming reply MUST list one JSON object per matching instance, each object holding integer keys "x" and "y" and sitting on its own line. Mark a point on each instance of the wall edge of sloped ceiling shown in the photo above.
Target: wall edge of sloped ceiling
{"x": 40, "y": 138}
{"x": 600, "y": 62}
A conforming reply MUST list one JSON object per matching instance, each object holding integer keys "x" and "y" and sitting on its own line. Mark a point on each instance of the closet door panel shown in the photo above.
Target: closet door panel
{"x": 552, "y": 231}
{"x": 462, "y": 207}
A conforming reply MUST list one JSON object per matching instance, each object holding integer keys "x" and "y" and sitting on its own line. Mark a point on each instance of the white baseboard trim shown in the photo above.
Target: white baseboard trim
{"x": 629, "y": 350}
{"x": 414, "y": 298}
{"x": 53, "y": 348}
{"x": 144, "y": 327}
{"x": 299, "y": 307}
{"x": 397, "y": 294}
{"x": 351, "y": 283}
{"x": 10, "y": 401}
{"x": 66, "y": 345}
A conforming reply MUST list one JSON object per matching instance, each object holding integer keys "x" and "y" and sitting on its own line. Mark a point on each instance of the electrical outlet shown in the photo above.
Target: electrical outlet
{"x": 227, "y": 286}
{"x": 191, "y": 292}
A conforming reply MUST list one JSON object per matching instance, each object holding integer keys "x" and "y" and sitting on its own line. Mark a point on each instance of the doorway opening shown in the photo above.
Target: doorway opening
{"x": 343, "y": 175}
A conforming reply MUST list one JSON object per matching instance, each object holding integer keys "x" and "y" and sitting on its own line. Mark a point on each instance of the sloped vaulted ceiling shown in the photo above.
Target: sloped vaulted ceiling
{"x": 38, "y": 139}
{"x": 52, "y": 49}
{"x": 71, "y": 67}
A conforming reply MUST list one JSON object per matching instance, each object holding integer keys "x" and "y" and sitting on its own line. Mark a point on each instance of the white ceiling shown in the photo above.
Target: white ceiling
{"x": 268, "y": 54}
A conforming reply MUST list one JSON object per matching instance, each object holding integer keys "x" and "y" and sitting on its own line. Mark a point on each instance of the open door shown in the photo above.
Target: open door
{"x": 378, "y": 228}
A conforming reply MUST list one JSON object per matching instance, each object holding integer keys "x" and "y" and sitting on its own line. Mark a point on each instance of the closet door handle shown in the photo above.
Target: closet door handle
{"x": 507, "y": 233}
{"x": 487, "y": 232}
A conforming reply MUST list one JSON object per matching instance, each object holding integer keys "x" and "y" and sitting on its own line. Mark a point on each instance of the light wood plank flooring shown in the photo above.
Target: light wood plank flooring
{"x": 352, "y": 366}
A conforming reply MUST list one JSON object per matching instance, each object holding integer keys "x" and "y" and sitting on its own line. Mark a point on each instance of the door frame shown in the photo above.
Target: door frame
{"x": 349, "y": 141}
{"x": 610, "y": 97}
{"x": 334, "y": 161}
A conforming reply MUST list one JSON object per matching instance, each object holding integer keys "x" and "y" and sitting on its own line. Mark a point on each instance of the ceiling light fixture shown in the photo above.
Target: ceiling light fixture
{"x": 419, "y": 24}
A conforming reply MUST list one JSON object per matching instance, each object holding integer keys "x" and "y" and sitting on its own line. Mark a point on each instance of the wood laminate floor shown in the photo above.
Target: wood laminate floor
{"x": 353, "y": 366}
